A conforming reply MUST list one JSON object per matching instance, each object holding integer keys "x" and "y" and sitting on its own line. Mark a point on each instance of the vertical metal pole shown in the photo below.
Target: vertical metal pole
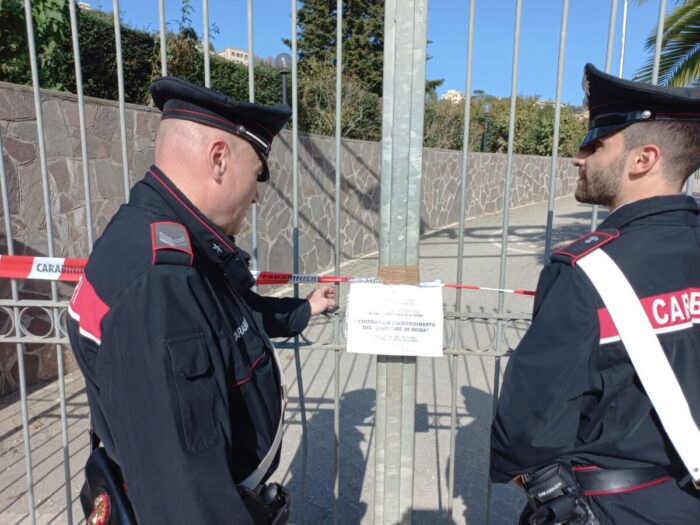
{"x": 453, "y": 435}
{"x": 460, "y": 258}
{"x": 284, "y": 88}
{"x": 496, "y": 391}
{"x": 122, "y": 104}
{"x": 18, "y": 333}
{"x": 465, "y": 166}
{"x": 611, "y": 35}
{"x": 205, "y": 38}
{"x": 83, "y": 125}
{"x": 163, "y": 40}
{"x": 49, "y": 235}
{"x": 659, "y": 38}
{"x": 338, "y": 175}
{"x": 623, "y": 38}
{"x": 555, "y": 141}
{"x": 509, "y": 170}
{"x": 405, "y": 25}
{"x": 608, "y": 62}
{"x": 295, "y": 241}
{"x": 506, "y": 211}
{"x": 689, "y": 183}
{"x": 465, "y": 155}
{"x": 251, "y": 98}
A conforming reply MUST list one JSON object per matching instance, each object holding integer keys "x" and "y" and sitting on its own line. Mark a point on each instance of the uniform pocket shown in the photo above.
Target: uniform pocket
{"x": 193, "y": 377}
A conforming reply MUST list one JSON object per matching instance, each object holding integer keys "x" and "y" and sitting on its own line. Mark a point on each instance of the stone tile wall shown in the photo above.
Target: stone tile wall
{"x": 359, "y": 217}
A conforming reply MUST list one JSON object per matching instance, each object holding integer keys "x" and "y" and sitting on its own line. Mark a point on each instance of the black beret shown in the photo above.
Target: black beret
{"x": 256, "y": 123}
{"x": 614, "y": 103}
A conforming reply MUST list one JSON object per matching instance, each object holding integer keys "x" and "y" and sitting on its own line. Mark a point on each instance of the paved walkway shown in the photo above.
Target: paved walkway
{"x": 357, "y": 386}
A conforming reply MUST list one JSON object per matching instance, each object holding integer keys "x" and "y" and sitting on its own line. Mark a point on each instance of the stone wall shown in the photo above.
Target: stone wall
{"x": 359, "y": 191}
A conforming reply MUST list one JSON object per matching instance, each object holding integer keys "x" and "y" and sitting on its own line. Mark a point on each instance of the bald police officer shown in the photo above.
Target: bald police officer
{"x": 574, "y": 422}
{"x": 184, "y": 387}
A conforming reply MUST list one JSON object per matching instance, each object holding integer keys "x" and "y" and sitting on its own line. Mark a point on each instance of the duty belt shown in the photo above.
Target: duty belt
{"x": 595, "y": 481}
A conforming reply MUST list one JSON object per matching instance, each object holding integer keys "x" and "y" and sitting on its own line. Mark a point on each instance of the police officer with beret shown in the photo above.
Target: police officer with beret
{"x": 183, "y": 383}
{"x": 599, "y": 412}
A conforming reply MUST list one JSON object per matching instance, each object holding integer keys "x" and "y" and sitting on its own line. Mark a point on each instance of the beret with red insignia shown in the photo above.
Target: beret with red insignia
{"x": 615, "y": 103}
{"x": 255, "y": 123}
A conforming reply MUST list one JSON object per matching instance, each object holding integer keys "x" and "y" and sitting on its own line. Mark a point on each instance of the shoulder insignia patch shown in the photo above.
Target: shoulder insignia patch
{"x": 171, "y": 243}
{"x": 584, "y": 245}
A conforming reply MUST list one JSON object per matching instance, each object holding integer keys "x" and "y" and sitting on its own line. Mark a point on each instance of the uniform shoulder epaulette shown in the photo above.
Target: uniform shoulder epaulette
{"x": 584, "y": 245}
{"x": 171, "y": 243}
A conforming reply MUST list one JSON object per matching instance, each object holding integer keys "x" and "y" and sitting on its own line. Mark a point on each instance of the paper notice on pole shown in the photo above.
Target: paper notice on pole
{"x": 395, "y": 319}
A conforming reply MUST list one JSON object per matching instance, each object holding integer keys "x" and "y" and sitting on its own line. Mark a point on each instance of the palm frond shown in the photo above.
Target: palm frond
{"x": 680, "y": 55}
{"x": 675, "y": 22}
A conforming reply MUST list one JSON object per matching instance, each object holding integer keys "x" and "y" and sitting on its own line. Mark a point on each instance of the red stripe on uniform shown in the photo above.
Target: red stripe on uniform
{"x": 667, "y": 312}
{"x": 250, "y": 376}
{"x": 88, "y": 309}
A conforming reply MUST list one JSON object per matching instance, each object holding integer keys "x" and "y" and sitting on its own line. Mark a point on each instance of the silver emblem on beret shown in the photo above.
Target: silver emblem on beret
{"x": 646, "y": 113}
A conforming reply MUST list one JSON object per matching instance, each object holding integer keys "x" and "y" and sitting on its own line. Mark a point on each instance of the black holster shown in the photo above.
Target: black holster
{"x": 555, "y": 498}
{"x": 268, "y": 504}
{"x": 103, "y": 496}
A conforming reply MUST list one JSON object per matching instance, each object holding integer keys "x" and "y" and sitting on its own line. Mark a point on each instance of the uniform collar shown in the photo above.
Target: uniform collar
{"x": 625, "y": 214}
{"x": 213, "y": 243}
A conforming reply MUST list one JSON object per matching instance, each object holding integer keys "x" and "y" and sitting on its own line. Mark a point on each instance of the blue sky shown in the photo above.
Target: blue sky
{"x": 587, "y": 37}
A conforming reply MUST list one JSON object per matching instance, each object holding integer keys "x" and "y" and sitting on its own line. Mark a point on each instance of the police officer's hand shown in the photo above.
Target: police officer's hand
{"x": 321, "y": 299}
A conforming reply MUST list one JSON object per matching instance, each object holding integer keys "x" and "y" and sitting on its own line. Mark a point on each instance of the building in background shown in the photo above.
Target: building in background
{"x": 453, "y": 96}
{"x": 234, "y": 55}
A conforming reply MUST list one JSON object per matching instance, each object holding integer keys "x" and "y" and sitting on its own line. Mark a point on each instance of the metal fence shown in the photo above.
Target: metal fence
{"x": 17, "y": 312}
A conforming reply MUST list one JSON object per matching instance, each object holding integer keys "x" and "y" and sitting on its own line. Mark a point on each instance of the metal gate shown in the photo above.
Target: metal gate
{"x": 393, "y": 471}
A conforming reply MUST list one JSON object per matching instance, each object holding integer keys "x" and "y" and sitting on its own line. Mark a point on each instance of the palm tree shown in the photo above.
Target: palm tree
{"x": 679, "y": 64}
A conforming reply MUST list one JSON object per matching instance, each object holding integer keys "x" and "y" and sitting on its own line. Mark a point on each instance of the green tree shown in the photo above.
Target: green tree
{"x": 98, "y": 57}
{"x": 360, "y": 108}
{"x": 443, "y": 125}
{"x": 185, "y": 60}
{"x": 363, "y": 38}
{"x": 534, "y": 126}
{"x": 679, "y": 63}
{"x": 52, "y": 36}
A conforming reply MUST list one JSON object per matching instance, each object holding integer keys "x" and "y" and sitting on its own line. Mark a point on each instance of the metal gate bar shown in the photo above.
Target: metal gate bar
{"x": 659, "y": 39}
{"x": 506, "y": 215}
{"x": 623, "y": 38}
{"x": 205, "y": 39}
{"x": 464, "y": 180}
{"x": 163, "y": 41}
{"x": 555, "y": 138}
{"x": 251, "y": 98}
{"x": 608, "y": 60}
{"x": 337, "y": 255}
{"x": 20, "y": 347}
{"x": 49, "y": 238}
{"x": 295, "y": 247}
{"x": 83, "y": 126}
{"x": 122, "y": 101}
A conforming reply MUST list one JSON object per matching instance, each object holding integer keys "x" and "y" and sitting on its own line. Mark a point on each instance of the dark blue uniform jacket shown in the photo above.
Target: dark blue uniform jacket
{"x": 570, "y": 393}
{"x": 181, "y": 380}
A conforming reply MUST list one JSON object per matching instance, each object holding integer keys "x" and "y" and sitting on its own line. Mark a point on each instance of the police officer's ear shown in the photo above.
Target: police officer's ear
{"x": 643, "y": 159}
{"x": 219, "y": 157}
